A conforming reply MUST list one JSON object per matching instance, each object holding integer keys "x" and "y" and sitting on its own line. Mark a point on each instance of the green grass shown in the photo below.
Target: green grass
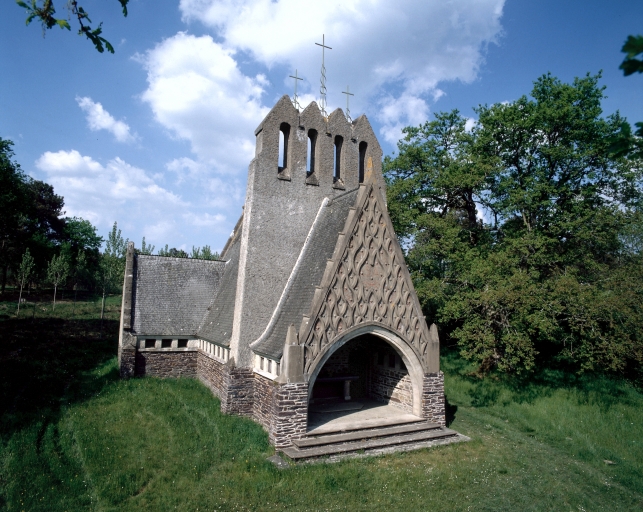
{"x": 75, "y": 437}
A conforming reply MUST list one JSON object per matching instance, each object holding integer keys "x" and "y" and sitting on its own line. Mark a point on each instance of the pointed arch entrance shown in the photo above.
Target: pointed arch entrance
{"x": 377, "y": 363}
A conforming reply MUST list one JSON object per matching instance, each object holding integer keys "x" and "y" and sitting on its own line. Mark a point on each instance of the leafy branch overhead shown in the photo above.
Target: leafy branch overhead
{"x": 632, "y": 48}
{"x": 44, "y": 11}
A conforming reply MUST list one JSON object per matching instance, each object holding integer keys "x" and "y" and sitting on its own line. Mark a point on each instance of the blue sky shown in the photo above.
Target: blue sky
{"x": 158, "y": 137}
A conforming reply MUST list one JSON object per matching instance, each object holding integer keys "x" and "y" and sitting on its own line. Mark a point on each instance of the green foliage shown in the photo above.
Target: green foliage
{"x": 57, "y": 272}
{"x": 173, "y": 252}
{"x": 204, "y": 253}
{"x": 25, "y": 271}
{"x": 44, "y": 11}
{"x": 145, "y": 248}
{"x": 81, "y": 234}
{"x": 116, "y": 245}
{"x": 632, "y": 48}
{"x": 553, "y": 276}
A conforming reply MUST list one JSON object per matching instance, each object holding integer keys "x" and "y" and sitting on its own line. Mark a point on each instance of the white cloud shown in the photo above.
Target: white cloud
{"x": 99, "y": 119}
{"x": 391, "y": 53}
{"x": 197, "y": 91}
{"x": 470, "y": 123}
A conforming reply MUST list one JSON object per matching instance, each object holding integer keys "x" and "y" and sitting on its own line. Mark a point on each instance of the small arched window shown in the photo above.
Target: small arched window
{"x": 338, "y": 158}
{"x": 284, "y": 134}
{"x": 362, "y": 157}
{"x": 310, "y": 160}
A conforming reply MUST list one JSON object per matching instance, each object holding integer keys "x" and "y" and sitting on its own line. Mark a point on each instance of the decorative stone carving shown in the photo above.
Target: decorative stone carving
{"x": 366, "y": 282}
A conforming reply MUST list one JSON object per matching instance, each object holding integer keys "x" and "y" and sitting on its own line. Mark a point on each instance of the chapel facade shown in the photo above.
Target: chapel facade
{"x": 310, "y": 315}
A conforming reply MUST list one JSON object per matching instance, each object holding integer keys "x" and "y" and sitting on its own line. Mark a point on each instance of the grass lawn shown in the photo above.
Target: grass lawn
{"x": 75, "y": 437}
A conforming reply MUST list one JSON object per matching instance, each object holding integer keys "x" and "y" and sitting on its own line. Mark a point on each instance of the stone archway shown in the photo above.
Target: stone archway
{"x": 408, "y": 362}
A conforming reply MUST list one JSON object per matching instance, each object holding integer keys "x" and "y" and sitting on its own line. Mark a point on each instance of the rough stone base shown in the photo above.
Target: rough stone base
{"x": 212, "y": 373}
{"x": 264, "y": 401}
{"x": 238, "y": 395}
{"x": 433, "y": 408}
{"x": 290, "y": 416}
{"x": 127, "y": 363}
{"x": 167, "y": 364}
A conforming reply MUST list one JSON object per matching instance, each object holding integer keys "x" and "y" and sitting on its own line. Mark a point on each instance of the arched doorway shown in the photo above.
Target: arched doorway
{"x": 365, "y": 376}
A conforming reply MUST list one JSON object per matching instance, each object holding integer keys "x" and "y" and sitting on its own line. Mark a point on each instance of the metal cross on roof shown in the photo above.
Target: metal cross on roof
{"x": 348, "y": 95}
{"x": 295, "y": 99}
{"x": 322, "y": 89}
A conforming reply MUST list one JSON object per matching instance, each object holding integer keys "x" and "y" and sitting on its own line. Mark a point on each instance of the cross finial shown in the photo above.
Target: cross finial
{"x": 295, "y": 99}
{"x": 322, "y": 89}
{"x": 348, "y": 94}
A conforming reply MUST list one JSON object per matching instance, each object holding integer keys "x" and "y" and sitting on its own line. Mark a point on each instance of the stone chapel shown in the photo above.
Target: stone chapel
{"x": 309, "y": 323}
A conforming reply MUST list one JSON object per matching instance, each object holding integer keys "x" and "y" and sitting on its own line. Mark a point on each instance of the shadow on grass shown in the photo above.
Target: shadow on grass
{"x": 44, "y": 365}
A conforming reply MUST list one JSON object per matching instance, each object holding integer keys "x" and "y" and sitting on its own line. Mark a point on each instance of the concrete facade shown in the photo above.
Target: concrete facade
{"x": 311, "y": 289}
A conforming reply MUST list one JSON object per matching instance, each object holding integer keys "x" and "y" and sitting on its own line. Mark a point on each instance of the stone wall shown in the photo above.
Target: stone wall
{"x": 239, "y": 391}
{"x": 212, "y": 373}
{"x": 433, "y": 408}
{"x": 392, "y": 385}
{"x": 290, "y": 414}
{"x": 166, "y": 363}
{"x": 127, "y": 360}
{"x": 264, "y": 400}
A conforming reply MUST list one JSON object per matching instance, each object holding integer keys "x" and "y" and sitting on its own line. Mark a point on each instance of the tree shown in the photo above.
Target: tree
{"x": 204, "y": 254}
{"x": 628, "y": 143}
{"x": 208, "y": 254}
{"x": 81, "y": 235}
{"x": 632, "y": 48}
{"x": 116, "y": 245}
{"x": 145, "y": 248}
{"x": 44, "y": 11}
{"x": 108, "y": 277}
{"x": 13, "y": 205}
{"x": 57, "y": 272}
{"x": 25, "y": 271}
{"x": 80, "y": 274}
{"x": 173, "y": 252}
{"x": 515, "y": 232}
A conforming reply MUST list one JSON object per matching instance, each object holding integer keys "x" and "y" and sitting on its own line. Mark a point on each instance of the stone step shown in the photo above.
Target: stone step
{"x": 333, "y": 427}
{"x": 297, "y": 454}
{"x": 344, "y": 437}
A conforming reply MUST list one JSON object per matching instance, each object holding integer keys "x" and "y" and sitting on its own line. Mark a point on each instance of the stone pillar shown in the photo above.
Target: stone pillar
{"x": 433, "y": 408}
{"x": 290, "y": 420}
{"x": 126, "y": 340}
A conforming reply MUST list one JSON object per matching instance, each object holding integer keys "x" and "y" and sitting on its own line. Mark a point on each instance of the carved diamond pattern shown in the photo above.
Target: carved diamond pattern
{"x": 369, "y": 285}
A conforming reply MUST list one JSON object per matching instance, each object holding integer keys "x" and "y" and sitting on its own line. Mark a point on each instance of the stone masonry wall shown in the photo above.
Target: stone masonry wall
{"x": 212, "y": 373}
{"x": 433, "y": 408}
{"x": 391, "y": 385}
{"x": 290, "y": 414}
{"x": 264, "y": 401}
{"x": 127, "y": 360}
{"x": 239, "y": 392}
{"x": 166, "y": 363}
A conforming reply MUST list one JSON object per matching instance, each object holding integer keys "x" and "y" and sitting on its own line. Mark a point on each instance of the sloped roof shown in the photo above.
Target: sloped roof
{"x": 307, "y": 275}
{"x": 171, "y": 294}
{"x": 216, "y": 325}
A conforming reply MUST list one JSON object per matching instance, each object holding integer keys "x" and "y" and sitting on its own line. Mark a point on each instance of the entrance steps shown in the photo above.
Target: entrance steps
{"x": 381, "y": 439}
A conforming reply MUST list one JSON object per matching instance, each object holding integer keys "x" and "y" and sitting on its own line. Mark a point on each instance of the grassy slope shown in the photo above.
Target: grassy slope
{"x": 74, "y": 437}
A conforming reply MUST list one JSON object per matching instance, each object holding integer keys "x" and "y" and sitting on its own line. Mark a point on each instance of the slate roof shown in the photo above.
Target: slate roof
{"x": 308, "y": 276}
{"x": 172, "y": 294}
{"x": 216, "y": 325}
